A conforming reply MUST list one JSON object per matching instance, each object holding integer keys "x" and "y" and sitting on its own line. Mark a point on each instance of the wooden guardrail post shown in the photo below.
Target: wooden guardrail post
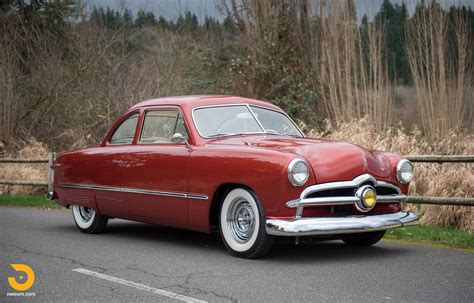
{"x": 50, "y": 171}
{"x": 471, "y": 227}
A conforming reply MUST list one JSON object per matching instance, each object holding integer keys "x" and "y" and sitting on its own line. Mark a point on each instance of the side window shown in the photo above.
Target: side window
{"x": 180, "y": 128}
{"x": 125, "y": 132}
{"x": 160, "y": 125}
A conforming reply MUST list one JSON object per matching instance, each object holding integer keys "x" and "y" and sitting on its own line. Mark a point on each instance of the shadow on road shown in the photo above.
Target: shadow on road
{"x": 136, "y": 234}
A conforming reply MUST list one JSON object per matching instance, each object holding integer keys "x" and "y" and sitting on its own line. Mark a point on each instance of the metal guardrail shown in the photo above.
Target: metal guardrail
{"x": 411, "y": 199}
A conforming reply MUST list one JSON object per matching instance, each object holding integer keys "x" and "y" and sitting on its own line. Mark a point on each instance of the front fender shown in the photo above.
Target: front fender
{"x": 262, "y": 170}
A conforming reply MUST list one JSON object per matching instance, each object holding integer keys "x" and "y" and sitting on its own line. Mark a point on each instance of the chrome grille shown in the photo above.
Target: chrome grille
{"x": 350, "y": 191}
{"x": 343, "y": 193}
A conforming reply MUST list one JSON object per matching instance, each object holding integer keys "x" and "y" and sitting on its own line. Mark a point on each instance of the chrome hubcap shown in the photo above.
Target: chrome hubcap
{"x": 241, "y": 220}
{"x": 85, "y": 213}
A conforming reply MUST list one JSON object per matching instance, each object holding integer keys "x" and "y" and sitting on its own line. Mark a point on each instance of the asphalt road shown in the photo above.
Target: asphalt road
{"x": 139, "y": 262}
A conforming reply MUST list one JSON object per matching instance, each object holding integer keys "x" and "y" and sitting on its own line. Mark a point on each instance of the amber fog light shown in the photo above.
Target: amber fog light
{"x": 367, "y": 198}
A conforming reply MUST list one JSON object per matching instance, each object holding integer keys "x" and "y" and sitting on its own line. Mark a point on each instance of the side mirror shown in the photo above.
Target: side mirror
{"x": 178, "y": 138}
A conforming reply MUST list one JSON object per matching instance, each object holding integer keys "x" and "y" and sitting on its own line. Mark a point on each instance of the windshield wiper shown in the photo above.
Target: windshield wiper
{"x": 225, "y": 134}
{"x": 279, "y": 134}
{"x": 234, "y": 134}
{"x": 290, "y": 135}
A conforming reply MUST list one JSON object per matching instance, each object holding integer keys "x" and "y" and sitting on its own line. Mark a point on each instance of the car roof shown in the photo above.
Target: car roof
{"x": 190, "y": 102}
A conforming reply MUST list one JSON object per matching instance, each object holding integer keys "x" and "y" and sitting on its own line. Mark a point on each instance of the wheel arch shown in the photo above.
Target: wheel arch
{"x": 218, "y": 198}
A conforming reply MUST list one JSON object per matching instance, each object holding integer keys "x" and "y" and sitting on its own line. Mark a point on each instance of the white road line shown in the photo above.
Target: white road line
{"x": 157, "y": 291}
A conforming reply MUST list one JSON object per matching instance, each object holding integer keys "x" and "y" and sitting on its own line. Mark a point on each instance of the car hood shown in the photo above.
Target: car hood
{"x": 331, "y": 160}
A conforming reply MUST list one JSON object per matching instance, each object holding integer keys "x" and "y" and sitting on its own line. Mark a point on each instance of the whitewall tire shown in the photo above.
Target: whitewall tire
{"x": 242, "y": 224}
{"x": 87, "y": 219}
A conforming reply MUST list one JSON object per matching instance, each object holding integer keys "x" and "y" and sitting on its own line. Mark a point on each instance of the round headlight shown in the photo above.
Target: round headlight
{"x": 298, "y": 172}
{"x": 404, "y": 171}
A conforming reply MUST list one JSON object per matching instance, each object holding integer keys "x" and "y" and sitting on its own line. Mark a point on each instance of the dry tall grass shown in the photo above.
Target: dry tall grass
{"x": 442, "y": 74}
{"x": 443, "y": 180}
{"x": 31, "y": 149}
{"x": 352, "y": 77}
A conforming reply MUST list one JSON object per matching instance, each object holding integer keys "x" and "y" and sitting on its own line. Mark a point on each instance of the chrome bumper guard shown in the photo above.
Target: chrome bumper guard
{"x": 305, "y": 200}
{"x": 339, "y": 225}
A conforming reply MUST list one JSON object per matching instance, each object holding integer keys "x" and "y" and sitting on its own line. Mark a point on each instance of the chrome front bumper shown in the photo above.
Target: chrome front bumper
{"x": 339, "y": 225}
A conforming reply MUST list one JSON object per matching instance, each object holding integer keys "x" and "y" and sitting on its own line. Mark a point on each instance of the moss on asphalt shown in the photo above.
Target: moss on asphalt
{"x": 27, "y": 201}
{"x": 433, "y": 235}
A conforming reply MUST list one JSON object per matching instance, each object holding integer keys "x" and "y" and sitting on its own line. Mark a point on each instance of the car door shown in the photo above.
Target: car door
{"x": 106, "y": 165}
{"x": 157, "y": 169}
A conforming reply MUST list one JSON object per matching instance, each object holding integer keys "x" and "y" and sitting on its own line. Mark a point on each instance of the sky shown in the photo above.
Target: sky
{"x": 171, "y": 9}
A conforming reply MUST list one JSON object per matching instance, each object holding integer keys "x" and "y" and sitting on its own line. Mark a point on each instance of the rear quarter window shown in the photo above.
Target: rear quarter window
{"x": 125, "y": 132}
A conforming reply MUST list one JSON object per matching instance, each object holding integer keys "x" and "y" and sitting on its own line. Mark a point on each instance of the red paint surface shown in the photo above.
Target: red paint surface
{"x": 257, "y": 161}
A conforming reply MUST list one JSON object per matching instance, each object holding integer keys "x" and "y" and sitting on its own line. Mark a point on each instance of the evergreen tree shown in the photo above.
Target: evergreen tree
{"x": 180, "y": 24}
{"x": 229, "y": 26}
{"x": 127, "y": 16}
{"x": 163, "y": 23}
{"x": 393, "y": 18}
{"x": 145, "y": 19}
{"x": 187, "y": 23}
{"x": 96, "y": 16}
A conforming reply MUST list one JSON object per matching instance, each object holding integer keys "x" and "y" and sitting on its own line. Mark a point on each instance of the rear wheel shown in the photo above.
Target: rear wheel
{"x": 87, "y": 220}
{"x": 364, "y": 239}
{"x": 242, "y": 224}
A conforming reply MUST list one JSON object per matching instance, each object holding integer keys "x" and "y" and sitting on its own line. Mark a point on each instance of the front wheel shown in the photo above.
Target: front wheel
{"x": 364, "y": 239}
{"x": 242, "y": 225}
{"x": 87, "y": 220}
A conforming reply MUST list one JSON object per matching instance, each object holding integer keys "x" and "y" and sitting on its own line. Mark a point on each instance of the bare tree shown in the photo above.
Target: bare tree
{"x": 352, "y": 77}
{"x": 443, "y": 83}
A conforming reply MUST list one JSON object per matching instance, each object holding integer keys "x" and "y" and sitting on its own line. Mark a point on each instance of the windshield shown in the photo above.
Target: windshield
{"x": 275, "y": 122}
{"x": 242, "y": 119}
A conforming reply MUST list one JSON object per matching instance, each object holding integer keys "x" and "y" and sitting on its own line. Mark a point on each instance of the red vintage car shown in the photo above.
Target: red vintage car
{"x": 233, "y": 164}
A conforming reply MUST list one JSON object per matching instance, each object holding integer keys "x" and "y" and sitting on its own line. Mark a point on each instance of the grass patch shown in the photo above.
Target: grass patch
{"x": 27, "y": 201}
{"x": 433, "y": 235}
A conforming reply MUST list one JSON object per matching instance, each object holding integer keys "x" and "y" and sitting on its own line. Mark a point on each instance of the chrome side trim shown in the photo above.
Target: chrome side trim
{"x": 300, "y": 203}
{"x": 137, "y": 191}
{"x": 197, "y": 197}
{"x": 339, "y": 225}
